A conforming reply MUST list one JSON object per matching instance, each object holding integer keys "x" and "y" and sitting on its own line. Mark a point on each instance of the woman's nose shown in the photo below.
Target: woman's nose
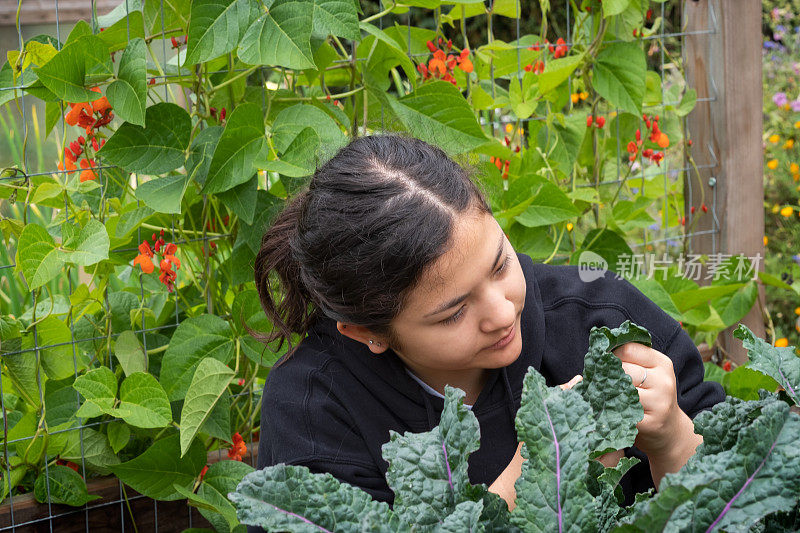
{"x": 500, "y": 312}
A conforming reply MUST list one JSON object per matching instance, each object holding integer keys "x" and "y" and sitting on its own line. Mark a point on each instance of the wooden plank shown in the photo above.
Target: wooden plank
{"x": 725, "y": 66}
{"x": 108, "y": 512}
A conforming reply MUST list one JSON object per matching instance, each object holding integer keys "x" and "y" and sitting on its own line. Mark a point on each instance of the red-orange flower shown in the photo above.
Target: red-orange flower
{"x": 238, "y": 448}
{"x": 79, "y": 113}
{"x": 203, "y": 472}
{"x": 87, "y": 173}
{"x": 144, "y": 259}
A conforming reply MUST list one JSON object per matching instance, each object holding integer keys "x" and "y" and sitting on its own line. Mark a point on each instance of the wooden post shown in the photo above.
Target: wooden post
{"x": 722, "y": 58}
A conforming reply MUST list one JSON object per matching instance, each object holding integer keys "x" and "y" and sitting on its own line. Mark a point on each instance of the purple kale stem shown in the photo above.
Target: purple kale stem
{"x": 558, "y": 467}
{"x": 746, "y": 483}
{"x": 306, "y": 520}
{"x": 787, "y": 384}
{"x": 447, "y": 464}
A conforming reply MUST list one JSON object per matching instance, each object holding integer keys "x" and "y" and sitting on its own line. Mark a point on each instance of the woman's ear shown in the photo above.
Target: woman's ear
{"x": 363, "y": 335}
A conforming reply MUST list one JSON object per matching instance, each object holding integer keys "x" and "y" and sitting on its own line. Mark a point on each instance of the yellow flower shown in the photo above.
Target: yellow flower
{"x": 774, "y": 138}
{"x": 584, "y": 95}
{"x": 575, "y": 97}
{"x": 797, "y": 124}
{"x": 794, "y": 168}
{"x": 796, "y": 177}
{"x": 787, "y": 107}
{"x": 509, "y": 127}
{"x": 521, "y": 131}
{"x": 766, "y": 240}
{"x": 773, "y": 164}
{"x": 797, "y": 310}
{"x": 788, "y": 144}
{"x": 569, "y": 226}
{"x": 776, "y": 208}
{"x": 787, "y": 211}
{"x": 612, "y": 114}
{"x": 782, "y": 342}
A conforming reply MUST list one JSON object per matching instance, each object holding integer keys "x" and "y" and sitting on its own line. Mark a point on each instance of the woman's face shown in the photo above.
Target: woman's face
{"x": 469, "y": 300}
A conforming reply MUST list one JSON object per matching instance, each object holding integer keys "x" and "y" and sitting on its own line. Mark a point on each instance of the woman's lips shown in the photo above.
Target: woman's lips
{"x": 505, "y": 340}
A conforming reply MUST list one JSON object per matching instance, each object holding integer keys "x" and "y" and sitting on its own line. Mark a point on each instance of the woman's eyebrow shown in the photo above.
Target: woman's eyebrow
{"x": 458, "y": 300}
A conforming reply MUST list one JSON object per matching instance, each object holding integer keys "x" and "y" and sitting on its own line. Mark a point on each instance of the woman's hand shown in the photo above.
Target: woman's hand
{"x": 665, "y": 434}
{"x": 657, "y": 394}
{"x": 504, "y": 484}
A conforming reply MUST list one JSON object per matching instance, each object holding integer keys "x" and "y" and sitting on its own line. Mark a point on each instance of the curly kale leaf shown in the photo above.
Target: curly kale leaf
{"x": 291, "y": 498}
{"x": 779, "y": 363}
{"x": 609, "y": 390}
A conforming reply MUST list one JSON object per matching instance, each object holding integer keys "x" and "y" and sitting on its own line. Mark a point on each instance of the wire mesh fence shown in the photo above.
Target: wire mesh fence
{"x": 29, "y": 147}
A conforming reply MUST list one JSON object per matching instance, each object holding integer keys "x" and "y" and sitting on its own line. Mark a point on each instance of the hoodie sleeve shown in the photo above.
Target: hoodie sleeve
{"x": 303, "y": 423}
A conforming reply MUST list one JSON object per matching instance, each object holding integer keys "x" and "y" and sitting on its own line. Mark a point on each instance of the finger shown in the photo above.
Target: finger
{"x": 637, "y": 374}
{"x": 571, "y": 383}
{"x": 633, "y": 352}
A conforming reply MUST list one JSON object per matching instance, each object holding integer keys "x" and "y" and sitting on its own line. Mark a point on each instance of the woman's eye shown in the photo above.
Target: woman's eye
{"x": 454, "y": 318}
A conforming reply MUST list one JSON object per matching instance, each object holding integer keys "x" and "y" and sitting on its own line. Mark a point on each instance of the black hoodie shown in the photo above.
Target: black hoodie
{"x": 331, "y": 405}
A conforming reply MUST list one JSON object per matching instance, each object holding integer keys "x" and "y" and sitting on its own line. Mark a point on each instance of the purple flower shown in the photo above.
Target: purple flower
{"x": 780, "y": 99}
{"x": 795, "y": 105}
{"x": 673, "y": 243}
{"x": 635, "y": 190}
{"x": 796, "y": 259}
{"x": 656, "y": 226}
{"x": 769, "y": 45}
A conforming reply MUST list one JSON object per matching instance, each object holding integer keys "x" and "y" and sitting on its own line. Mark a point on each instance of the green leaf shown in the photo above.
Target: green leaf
{"x": 549, "y": 206}
{"x": 201, "y": 152}
{"x": 607, "y": 244}
{"x": 118, "y": 435}
{"x": 118, "y": 35}
{"x": 99, "y": 389}
{"x": 38, "y": 256}
{"x": 736, "y": 487}
{"x": 557, "y": 72}
{"x": 428, "y": 471}
{"x": 551, "y": 490}
{"x": 620, "y": 75}
{"x": 216, "y": 27}
{"x": 194, "y": 339}
{"x": 336, "y": 17}
{"x": 155, "y": 149}
{"x": 291, "y": 121}
{"x": 153, "y": 472}
{"x": 688, "y": 101}
{"x": 164, "y": 195}
{"x": 299, "y": 159}
{"x": 221, "y": 478}
{"x": 91, "y": 446}
{"x": 235, "y": 153}
{"x": 55, "y": 352}
{"x": 63, "y": 485}
{"x": 779, "y": 363}
{"x": 286, "y": 497}
{"x": 128, "y": 93}
{"x": 21, "y": 368}
{"x": 738, "y": 304}
{"x": 218, "y": 423}
{"x": 744, "y": 383}
{"x": 438, "y": 113}
{"x": 609, "y": 390}
{"x": 614, "y": 7}
{"x": 89, "y": 245}
{"x": 129, "y": 353}
{"x": 81, "y": 62}
{"x": 211, "y": 379}
{"x": 143, "y": 402}
{"x": 281, "y": 37}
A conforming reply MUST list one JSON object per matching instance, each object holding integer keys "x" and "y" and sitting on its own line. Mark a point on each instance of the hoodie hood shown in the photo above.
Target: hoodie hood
{"x": 385, "y": 374}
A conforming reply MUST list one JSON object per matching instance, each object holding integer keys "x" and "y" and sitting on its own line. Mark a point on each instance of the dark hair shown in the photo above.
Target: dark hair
{"x": 354, "y": 244}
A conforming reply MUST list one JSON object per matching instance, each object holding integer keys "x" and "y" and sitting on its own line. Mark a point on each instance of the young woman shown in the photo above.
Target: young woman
{"x": 399, "y": 281}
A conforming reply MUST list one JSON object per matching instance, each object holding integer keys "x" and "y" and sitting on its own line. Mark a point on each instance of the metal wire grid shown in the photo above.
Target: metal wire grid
{"x": 495, "y": 120}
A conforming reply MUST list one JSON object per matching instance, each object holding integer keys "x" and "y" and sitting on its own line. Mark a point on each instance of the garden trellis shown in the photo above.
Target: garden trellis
{"x": 506, "y": 100}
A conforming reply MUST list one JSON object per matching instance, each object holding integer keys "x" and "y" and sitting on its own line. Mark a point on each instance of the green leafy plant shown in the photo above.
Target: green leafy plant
{"x": 745, "y": 473}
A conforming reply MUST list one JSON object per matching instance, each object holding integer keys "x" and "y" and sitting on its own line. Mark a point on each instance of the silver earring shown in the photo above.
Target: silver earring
{"x": 379, "y": 344}
{"x": 370, "y": 341}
